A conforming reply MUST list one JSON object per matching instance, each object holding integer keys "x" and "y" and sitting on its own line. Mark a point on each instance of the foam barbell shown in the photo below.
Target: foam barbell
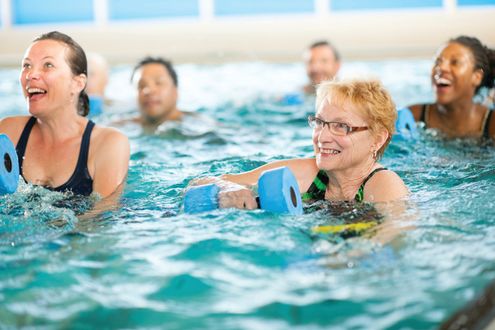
{"x": 9, "y": 166}
{"x": 405, "y": 126}
{"x": 277, "y": 189}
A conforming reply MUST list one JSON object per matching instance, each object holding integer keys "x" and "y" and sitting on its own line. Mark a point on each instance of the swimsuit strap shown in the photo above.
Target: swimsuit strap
{"x": 360, "y": 194}
{"x": 23, "y": 140}
{"x": 424, "y": 113}
{"x": 318, "y": 187}
{"x": 80, "y": 182}
{"x": 486, "y": 124}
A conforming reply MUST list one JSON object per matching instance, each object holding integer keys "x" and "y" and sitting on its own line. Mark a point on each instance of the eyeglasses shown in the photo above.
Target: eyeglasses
{"x": 335, "y": 127}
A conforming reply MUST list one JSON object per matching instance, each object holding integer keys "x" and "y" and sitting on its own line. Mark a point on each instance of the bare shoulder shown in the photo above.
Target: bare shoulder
{"x": 385, "y": 186}
{"x": 109, "y": 145}
{"x": 13, "y": 126}
{"x": 491, "y": 124}
{"x": 108, "y": 137}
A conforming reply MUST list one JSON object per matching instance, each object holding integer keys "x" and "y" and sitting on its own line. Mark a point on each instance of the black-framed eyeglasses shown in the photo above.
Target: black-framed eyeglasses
{"x": 335, "y": 127}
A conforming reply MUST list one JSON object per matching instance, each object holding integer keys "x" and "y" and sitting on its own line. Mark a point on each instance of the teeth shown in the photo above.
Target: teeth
{"x": 442, "y": 81}
{"x": 329, "y": 151}
{"x": 32, "y": 90}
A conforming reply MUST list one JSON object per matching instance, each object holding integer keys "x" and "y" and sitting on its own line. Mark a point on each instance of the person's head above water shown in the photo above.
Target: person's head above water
{"x": 157, "y": 84}
{"x": 57, "y": 147}
{"x": 97, "y": 75}
{"x": 63, "y": 51}
{"x": 462, "y": 67}
{"x": 355, "y": 120}
{"x": 322, "y": 63}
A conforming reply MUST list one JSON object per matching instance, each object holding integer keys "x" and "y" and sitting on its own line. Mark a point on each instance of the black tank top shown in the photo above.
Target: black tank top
{"x": 486, "y": 122}
{"x": 80, "y": 183}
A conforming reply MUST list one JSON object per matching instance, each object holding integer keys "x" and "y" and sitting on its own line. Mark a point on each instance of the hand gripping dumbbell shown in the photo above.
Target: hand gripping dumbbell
{"x": 9, "y": 166}
{"x": 277, "y": 189}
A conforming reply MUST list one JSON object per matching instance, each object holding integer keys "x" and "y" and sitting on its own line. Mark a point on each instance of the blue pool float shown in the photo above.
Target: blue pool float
{"x": 9, "y": 166}
{"x": 405, "y": 126}
{"x": 277, "y": 188}
{"x": 292, "y": 99}
{"x": 95, "y": 105}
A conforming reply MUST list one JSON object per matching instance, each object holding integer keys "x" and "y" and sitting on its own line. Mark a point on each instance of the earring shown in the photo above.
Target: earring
{"x": 373, "y": 154}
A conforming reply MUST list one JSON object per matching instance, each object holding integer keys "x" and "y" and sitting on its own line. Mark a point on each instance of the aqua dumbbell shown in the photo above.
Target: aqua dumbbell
{"x": 405, "y": 126}
{"x": 9, "y": 166}
{"x": 277, "y": 189}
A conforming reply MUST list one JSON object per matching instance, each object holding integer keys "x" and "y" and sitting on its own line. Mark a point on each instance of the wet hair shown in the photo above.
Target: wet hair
{"x": 484, "y": 59}
{"x": 77, "y": 62}
{"x": 321, "y": 43}
{"x": 368, "y": 97}
{"x": 157, "y": 60}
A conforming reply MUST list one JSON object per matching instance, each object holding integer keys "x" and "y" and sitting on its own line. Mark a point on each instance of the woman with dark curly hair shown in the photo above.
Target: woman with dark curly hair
{"x": 462, "y": 68}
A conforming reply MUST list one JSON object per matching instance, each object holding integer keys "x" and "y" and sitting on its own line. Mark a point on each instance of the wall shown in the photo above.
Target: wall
{"x": 228, "y": 30}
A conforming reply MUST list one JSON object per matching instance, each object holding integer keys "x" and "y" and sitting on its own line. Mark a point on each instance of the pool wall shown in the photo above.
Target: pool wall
{"x": 226, "y": 30}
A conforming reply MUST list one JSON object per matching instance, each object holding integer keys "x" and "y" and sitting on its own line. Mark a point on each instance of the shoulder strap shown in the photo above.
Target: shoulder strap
{"x": 360, "y": 194}
{"x": 82, "y": 161}
{"x": 318, "y": 187}
{"x": 486, "y": 124}
{"x": 423, "y": 113}
{"x": 23, "y": 140}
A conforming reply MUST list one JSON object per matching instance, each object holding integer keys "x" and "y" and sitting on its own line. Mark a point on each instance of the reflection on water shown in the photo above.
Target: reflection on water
{"x": 148, "y": 264}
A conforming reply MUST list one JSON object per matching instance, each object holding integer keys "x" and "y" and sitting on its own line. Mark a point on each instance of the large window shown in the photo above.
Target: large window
{"x": 383, "y": 4}
{"x": 476, "y": 2}
{"x": 255, "y": 7}
{"x": 51, "y": 11}
{"x": 143, "y": 9}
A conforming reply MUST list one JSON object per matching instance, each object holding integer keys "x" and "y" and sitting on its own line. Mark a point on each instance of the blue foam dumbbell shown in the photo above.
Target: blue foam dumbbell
{"x": 9, "y": 166}
{"x": 292, "y": 99}
{"x": 277, "y": 188}
{"x": 95, "y": 105}
{"x": 405, "y": 125}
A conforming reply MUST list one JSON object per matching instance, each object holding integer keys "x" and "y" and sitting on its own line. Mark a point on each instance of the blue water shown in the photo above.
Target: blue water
{"x": 149, "y": 265}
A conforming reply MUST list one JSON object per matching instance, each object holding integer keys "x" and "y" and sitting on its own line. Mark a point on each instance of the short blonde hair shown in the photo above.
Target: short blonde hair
{"x": 368, "y": 97}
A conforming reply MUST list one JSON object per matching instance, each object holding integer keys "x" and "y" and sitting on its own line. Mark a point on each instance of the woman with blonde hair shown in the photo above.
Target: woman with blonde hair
{"x": 352, "y": 127}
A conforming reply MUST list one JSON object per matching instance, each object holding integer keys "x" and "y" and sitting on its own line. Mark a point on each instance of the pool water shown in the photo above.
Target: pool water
{"x": 148, "y": 265}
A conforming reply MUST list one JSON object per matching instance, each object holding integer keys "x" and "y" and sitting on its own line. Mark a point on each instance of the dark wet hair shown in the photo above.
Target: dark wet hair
{"x": 484, "y": 59}
{"x": 77, "y": 62}
{"x": 321, "y": 43}
{"x": 158, "y": 60}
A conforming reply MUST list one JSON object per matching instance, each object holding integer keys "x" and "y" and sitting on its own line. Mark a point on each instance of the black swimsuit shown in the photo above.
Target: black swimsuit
{"x": 486, "y": 123}
{"x": 319, "y": 186}
{"x": 80, "y": 183}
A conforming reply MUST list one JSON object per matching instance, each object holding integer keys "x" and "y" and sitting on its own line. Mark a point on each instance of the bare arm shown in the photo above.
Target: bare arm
{"x": 111, "y": 162}
{"x": 236, "y": 188}
{"x": 385, "y": 186}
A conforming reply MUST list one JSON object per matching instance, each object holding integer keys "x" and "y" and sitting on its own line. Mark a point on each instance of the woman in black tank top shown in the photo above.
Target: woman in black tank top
{"x": 57, "y": 147}
{"x": 462, "y": 67}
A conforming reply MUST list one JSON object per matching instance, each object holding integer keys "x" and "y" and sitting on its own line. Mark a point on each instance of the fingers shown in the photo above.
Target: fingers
{"x": 241, "y": 199}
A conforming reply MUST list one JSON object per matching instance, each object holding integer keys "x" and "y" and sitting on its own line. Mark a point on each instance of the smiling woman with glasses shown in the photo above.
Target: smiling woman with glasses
{"x": 352, "y": 127}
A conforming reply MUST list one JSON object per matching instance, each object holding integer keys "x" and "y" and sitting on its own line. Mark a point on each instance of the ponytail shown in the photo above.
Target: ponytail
{"x": 83, "y": 104}
{"x": 489, "y": 76}
{"x": 484, "y": 59}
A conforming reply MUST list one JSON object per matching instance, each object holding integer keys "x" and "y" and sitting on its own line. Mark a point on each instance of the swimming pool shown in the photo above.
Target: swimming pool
{"x": 149, "y": 265}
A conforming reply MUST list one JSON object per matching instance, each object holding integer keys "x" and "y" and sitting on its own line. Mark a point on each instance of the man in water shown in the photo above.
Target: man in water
{"x": 157, "y": 83}
{"x": 97, "y": 83}
{"x": 322, "y": 63}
